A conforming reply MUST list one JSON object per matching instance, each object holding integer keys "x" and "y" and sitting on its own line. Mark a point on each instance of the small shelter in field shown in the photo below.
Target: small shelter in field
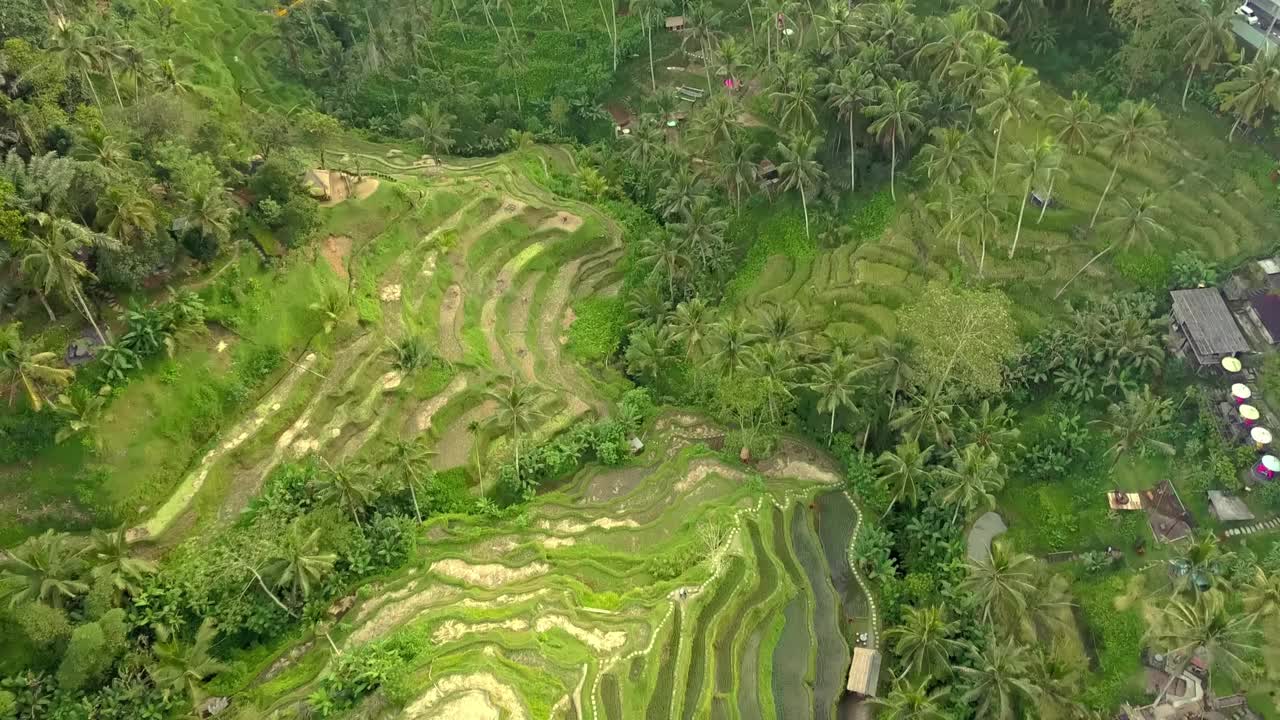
{"x": 767, "y": 172}
{"x": 1228, "y": 508}
{"x": 1264, "y": 310}
{"x": 675, "y": 23}
{"x": 864, "y": 672}
{"x": 1209, "y": 332}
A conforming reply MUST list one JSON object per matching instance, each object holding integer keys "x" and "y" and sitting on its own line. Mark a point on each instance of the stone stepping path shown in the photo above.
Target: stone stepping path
{"x": 1264, "y": 526}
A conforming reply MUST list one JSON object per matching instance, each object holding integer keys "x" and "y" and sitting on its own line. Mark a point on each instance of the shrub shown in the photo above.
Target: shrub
{"x": 86, "y": 659}
{"x": 8, "y": 705}
{"x": 43, "y": 625}
{"x": 1190, "y": 269}
{"x": 597, "y": 327}
{"x": 1148, "y": 271}
{"x": 1119, "y": 641}
{"x": 870, "y": 220}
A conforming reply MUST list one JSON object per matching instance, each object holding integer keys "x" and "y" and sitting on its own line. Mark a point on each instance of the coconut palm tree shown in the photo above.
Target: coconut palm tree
{"x": 971, "y": 481}
{"x": 736, "y": 166}
{"x": 1262, "y": 593}
{"x": 406, "y": 456}
{"x": 925, "y": 641}
{"x": 182, "y": 669}
{"x": 1253, "y": 88}
{"x": 800, "y": 170}
{"x": 1000, "y": 678}
{"x": 907, "y": 701}
{"x": 949, "y": 159}
{"x": 1130, "y": 132}
{"x": 650, "y": 12}
{"x": 682, "y": 189}
{"x": 1008, "y": 95}
{"x": 692, "y": 325}
{"x": 981, "y": 208}
{"x": 1200, "y": 565}
{"x": 730, "y": 342}
{"x": 74, "y": 50}
{"x": 1036, "y": 162}
{"x": 54, "y": 255}
{"x": 897, "y": 374}
{"x": 26, "y": 369}
{"x": 837, "y": 32}
{"x": 983, "y": 60}
{"x": 350, "y": 488}
{"x": 109, "y": 557}
{"x": 1203, "y": 628}
{"x": 647, "y": 352}
{"x": 519, "y": 406}
{"x": 733, "y": 60}
{"x": 846, "y": 93}
{"x": 794, "y": 98}
{"x": 645, "y": 146}
{"x": 954, "y": 36}
{"x": 835, "y": 382}
{"x": 44, "y": 569}
{"x": 904, "y": 472}
{"x": 512, "y": 59}
{"x": 897, "y": 117}
{"x": 1137, "y": 423}
{"x": 1003, "y": 583}
{"x": 1206, "y": 37}
{"x": 716, "y": 124}
{"x": 1134, "y": 220}
{"x": 1077, "y": 124}
{"x": 703, "y": 30}
{"x": 298, "y": 565}
{"x": 433, "y": 127}
{"x": 209, "y": 212}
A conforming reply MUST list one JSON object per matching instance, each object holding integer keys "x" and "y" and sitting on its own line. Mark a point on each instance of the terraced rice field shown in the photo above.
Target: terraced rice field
{"x": 1208, "y": 205}
{"x": 680, "y": 585}
{"x": 566, "y": 614}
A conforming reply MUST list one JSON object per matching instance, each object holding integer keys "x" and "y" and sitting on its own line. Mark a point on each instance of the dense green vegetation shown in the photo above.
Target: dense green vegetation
{"x": 558, "y": 420}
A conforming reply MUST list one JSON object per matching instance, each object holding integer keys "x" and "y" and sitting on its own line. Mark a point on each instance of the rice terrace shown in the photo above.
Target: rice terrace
{"x": 639, "y": 360}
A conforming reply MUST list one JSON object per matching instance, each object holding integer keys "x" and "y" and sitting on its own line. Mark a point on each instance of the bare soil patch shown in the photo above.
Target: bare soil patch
{"x": 428, "y": 410}
{"x": 453, "y": 630}
{"x": 488, "y": 575}
{"x": 478, "y": 696}
{"x": 568, "y": 222}
{"x": 699, "y": 471}
{"x": 393, "y": 614}
{"x": 572, "y": 527}
{"x": 336, "y": 249}
{"x": 601, "y": 642}
{"x": 615, "y": 483}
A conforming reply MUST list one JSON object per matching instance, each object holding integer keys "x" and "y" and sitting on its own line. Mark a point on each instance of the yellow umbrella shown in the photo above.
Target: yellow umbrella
{"x": 1249, "y": 412}
{"x": 1241, "y": 391}
{"x": 1231, "y": 364}
{"x": 1261, "y": 436}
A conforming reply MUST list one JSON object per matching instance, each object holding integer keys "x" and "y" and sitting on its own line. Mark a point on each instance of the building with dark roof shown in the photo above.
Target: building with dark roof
{"x": 1208, "y": 329}
{"x": 1264, "y": 309}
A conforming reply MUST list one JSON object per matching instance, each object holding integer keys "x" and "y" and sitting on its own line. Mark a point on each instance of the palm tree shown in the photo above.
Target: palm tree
{"x": 209, "y": 213}
{"x": 54, "y": 256}
{"x": 984, "y": 59}
{"x": 351, "y": 489}
{"x": 736, "y": 166}
{"x": 703, "y": 31}
{"x": 1200, "y": 565}
{"x": 1137, "y": 423}
{"x": 691, "y": 325}
{"x": 794, "y": 99}
{"x": 1203, "y": 628}
{"x": 733, "y": 60}
{"x": 519, "y": 406}
{"x": 949, "y": 159}
{"x": 954, "y": 37}
{"x": 895, "y": 366}
{"x": 1003, "y": 583}
{"x": 406, "y": 456}
{"x": 896, "y": 116}
{"x": 1008, "y": 95}
{"x": 650, "y": 12}
{"x": 905, "y": 472}
{"x": 1077, "y": 123}
{"x": 184, "y": 668}
{"x": 74, "y": 51}
{"x": 44, "y": 569}
{"x": 846, "y": 93}
{"x": 730, "y": 342}
{"x": 906, "y": 701}
{"x": 646, "y": 145}
{"x": 924, "y": 642}
{"x": 108, "y": 554}
{"x": 27, "y": 369}
{"x": 1134, "y": 219}
{"x": 1134, "y": 129}
{"x": 298, "y": 565}
{"x": 717, "y": 125}
{"x": 1036, "y": 162}
{"x": 1001, "y": 681}
{"x": 971, "y": 481}
{"x": 982, "y": 208}
{"x": 835, "y": 382}
{"x": 1206, "y": 36}
{"x": 512, "y": 59}
{"x": 800, "y": 170}
{"x": 647, "y": 352}
{"x": 1262, "y": 593}
{"x": 433, "y": 127}
{"x": 837, "y": 32}
{"x": 682, "y": 189}
{"x": 1253, "y": 88}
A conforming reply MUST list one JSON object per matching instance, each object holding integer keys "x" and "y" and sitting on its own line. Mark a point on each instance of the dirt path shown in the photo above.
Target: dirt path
{"x": 422, "y": 419}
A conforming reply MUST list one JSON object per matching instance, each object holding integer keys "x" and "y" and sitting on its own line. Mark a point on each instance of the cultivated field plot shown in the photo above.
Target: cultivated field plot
{"x": 679, "y": 587}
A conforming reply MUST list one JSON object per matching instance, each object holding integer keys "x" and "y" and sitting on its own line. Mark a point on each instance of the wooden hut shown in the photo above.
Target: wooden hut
{"x": 675, "y": 23}
{"x": 864, "y": 672}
